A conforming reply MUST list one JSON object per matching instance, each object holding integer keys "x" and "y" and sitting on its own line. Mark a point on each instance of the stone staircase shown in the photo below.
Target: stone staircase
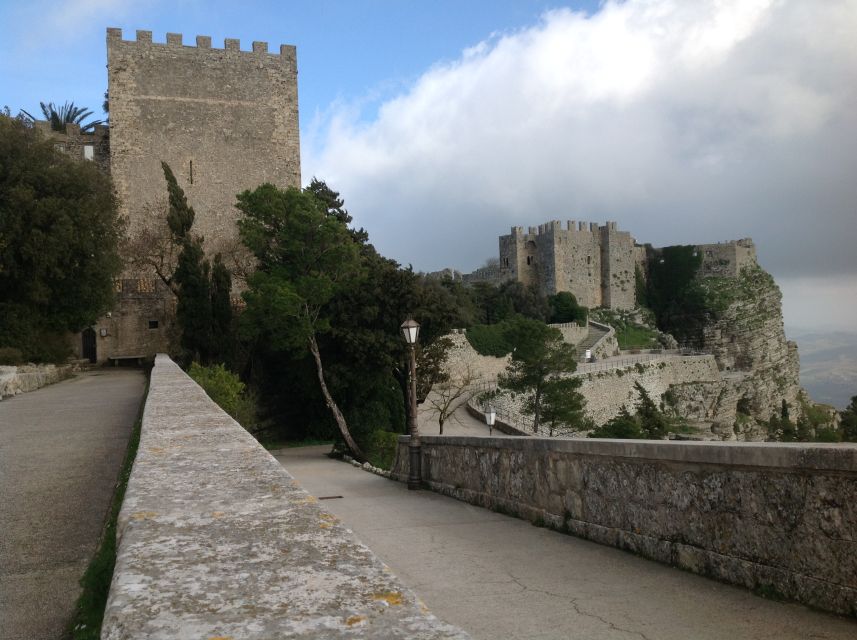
{"x": 592, "y": 337}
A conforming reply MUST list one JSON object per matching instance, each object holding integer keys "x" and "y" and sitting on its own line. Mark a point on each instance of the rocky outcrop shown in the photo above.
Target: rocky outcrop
{"x": 746, "y": 336}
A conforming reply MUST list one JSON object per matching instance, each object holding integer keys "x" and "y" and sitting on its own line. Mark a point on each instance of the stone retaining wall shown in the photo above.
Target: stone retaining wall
{"x": 29, "y": 377}
{"x": 779, "y": 518}
{"x": 215, "y": 539}
{"x": 606, "y": 392}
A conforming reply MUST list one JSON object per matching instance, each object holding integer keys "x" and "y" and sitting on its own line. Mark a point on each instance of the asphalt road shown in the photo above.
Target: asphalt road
{"x": 500, "y": 577}
{"x": 60, "y": 452}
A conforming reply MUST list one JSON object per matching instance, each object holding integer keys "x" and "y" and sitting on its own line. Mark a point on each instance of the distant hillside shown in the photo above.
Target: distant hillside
{"x": 828, "y": 365}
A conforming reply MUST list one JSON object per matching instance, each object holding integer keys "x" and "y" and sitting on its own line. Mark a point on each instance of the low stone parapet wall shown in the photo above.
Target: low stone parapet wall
{"x": 215, "y": 539}
{"x": 29, "y": 377}
{"x": 777, "y": 518}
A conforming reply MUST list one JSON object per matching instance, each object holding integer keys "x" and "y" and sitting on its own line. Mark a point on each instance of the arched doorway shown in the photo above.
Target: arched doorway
{"x": 89, "y": 350}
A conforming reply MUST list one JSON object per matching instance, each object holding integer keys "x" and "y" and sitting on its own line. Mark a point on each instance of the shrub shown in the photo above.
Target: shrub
{"x": 10, "y": 356}
{"x": 227, "y": 390}
{"x": 490, "y": 339}
{"x": 381, "y": 448}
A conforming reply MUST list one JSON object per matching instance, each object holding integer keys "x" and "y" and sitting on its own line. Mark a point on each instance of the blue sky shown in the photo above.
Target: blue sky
{"x": 444, "y": 123}
{"x": 347, "y": 50}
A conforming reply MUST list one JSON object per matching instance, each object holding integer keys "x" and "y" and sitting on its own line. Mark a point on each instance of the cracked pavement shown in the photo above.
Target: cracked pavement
{"x": 500, "y": 577}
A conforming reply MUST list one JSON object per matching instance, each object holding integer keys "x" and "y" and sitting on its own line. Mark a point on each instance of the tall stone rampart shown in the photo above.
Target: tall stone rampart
{"x": 777, "y": 518}
{"x": 215, "y": 539}
{"x": 225, "y": 120}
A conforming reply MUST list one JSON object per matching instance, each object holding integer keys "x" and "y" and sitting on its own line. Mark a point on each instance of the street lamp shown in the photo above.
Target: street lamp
{"x": 490, "y": 416}
{"x": 410, "y": 330}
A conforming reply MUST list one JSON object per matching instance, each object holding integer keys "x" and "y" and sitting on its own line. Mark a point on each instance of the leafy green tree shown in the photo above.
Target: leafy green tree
{"x": 305, "y": 258}
{"x": 68, "y": 113}
{"x": 539, "y": 361}
{"x": 848, "y": 421}
{"x": 674, "y": 294}
{"x": 623, "y": 426}
{"x": 59, "y": 233}
{"x": 564, "y": 308}
{"x": 192, "y": 276}
{"x": 653, "y": 423}
{"x": 562, "y": 405}
{"x": 222, "y": 334}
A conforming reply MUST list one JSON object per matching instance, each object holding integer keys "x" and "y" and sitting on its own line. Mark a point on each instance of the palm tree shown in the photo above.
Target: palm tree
{"x": 68, "y": 113}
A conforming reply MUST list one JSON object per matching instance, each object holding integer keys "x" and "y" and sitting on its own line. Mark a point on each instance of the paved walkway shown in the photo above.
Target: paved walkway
{"x": 500, "y": 577}
{"x": 60, "y": 452}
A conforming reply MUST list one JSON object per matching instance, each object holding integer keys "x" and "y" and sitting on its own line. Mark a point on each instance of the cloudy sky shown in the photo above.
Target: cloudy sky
{"x": 445, "y": 123}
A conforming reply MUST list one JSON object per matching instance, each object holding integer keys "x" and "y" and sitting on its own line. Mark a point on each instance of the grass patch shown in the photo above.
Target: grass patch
{"x": 89, "y": 610}
{"x": 636, "y": 336}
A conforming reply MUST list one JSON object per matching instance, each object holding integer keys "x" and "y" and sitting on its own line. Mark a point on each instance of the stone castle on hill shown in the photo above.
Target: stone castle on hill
{"x": 595, "y": 263}
{"x": 225, "y": 120}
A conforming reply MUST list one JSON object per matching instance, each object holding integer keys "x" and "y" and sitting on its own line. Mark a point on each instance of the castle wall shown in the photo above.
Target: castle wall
{"x": 578, "y": 261}
{"x": 93, "y": 146}
{"x": 225, "y": 120}
{"x": 726, "y": 259}
{"x": 594, "y": 263}
{"x": 617, "y": 268}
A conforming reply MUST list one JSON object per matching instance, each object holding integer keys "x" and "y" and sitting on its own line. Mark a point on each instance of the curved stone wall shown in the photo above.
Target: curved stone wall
{"x": 215, "y": 539}
{"x": 778, "y": 518}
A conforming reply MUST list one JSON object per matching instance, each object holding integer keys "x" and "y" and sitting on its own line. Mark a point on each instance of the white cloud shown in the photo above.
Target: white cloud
{"x": 685, "y": 122}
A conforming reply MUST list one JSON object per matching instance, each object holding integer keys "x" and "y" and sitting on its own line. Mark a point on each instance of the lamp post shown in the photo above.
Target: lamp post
{"x": 410, "y": 330}
{"x": 490, "y": 416}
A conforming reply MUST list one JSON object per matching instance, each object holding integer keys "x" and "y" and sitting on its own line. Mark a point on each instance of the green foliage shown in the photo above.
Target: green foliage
{"x": 490, "y": 339}
{"x": 623, "y": 426}
{"x": 629, "y": 333}
{"x": 564, "y": 308}
{"x": 540, "y": 359}
{"x": 222, "y": 333}
{"x": 653, "y": 423}
{"x": 203, "y": 308}
{"x": 304, "y": 259}
{"x": 95, "y": 583}
{"x": 848, "y": 421}
{"x": 641, "y": 288}
{"x": 648, "y": 422}
{"x": 193, "y": 308}
{"x": 68, "y": 113}
{"x": 637, "y": 336}
{"x": 319, "y": 280}
{"x": 675, "y": 295}
{"x": 59, "y": 232}
{"x": 11, "y": 356}
{"x": 381, "y": 448}
{"x": 180, "y": 215}
{"x": 496, "y": 303}
{"x": 227, "y": 390}
{"x": 562, "y": 405}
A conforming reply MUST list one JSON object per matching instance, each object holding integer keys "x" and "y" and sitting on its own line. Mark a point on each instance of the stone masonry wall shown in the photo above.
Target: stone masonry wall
{"x": 225, "y": 120}
{"x": 773, "y": 517}
{"x": 29, "y": 377}
{"x": 606, "y": 392}
{"x": 215, "y": 539}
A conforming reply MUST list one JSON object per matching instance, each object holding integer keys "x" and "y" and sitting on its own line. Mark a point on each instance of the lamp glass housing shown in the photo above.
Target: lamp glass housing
{"x": 410, "y": 330}
{"x": 490, "y": 416}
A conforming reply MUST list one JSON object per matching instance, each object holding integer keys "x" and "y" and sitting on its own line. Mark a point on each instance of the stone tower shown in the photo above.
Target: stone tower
{"x": 225, "y": 120}
{"x": 595, "y": 263}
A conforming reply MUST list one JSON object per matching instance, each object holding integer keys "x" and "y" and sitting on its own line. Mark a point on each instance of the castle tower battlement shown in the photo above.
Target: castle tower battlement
{"x": 225, "y": 120}
{"x": 594, "y": 262}
{"x": 286, "y": 53}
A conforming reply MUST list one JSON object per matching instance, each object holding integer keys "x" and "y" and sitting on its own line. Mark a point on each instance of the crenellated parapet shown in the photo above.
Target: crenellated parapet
{"x": 144, "y": 38}
{"x": 224, "y": 119}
